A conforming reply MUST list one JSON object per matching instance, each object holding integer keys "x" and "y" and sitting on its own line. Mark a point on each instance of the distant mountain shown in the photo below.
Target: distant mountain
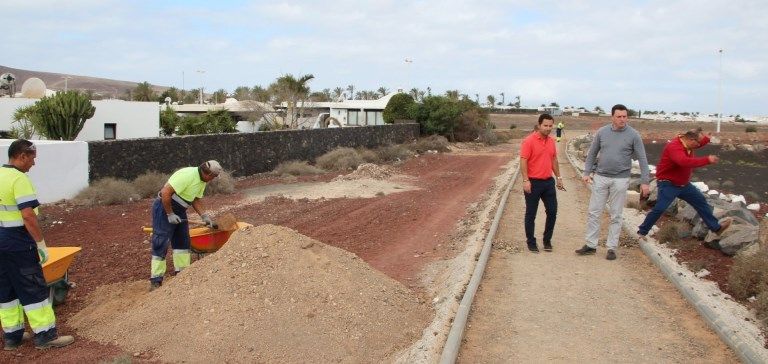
{"x": 55, "y": 81}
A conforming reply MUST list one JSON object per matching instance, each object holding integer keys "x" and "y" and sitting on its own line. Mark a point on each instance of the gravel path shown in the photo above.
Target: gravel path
{"x": 560, "y": 307}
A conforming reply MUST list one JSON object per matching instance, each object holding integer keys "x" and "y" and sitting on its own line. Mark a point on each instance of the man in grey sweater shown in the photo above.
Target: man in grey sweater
{"x": 607, "y": 169}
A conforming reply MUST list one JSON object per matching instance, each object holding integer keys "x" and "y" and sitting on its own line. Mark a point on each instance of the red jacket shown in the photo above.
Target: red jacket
{"x": 677, "y": 162}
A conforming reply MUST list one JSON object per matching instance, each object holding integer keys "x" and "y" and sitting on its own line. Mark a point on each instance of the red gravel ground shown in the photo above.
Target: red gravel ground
{"x": 398, "y": 233}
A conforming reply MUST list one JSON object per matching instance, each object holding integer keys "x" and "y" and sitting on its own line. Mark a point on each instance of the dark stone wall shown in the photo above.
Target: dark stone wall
{"x": 241, "y": 154}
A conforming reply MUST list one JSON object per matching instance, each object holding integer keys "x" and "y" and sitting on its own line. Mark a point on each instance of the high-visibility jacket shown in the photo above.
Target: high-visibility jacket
{"x": 16, "y": 193}
{"x": 187, "y": 184}
{"x": 560, "y": 125}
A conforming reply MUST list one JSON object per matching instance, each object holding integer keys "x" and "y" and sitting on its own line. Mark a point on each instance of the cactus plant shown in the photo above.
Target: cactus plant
{"x": 64, "y": 115}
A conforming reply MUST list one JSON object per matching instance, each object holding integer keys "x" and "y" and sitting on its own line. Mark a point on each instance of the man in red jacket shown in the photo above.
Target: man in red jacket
{"x": 673, "y": 177}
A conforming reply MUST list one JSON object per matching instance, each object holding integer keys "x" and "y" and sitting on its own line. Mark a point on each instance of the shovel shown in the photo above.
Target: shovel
{"x": 226, "y": 222}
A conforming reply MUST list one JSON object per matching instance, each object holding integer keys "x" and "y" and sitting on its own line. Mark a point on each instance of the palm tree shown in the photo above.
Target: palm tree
{"x": 429, "y": 91}
{"x": 383, "y": 91}
{"x": 351, "y": 89}
{"x": 143, "y": 92}
{"x": 414, "y": 93}
{"x": 502, "y": 98}
{"x": 292, "y": 90}
{"x": 242, "y": 93}
{"x": 477, "y": 99}
{"x": 452, "y": 94}
{"x": 491, "y": 101}
{"x": 517, "y": 103}
{"x": 337, "y": 93}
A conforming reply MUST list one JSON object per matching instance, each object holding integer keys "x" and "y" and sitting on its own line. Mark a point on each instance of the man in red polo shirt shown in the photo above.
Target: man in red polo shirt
{"x": 673, "y": 177}
{"x": 538, "y": 161}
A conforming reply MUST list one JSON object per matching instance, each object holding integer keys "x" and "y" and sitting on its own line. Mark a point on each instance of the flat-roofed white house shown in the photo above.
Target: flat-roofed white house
{"x": 347, "y": 112}
{"x": 113, "y": 119}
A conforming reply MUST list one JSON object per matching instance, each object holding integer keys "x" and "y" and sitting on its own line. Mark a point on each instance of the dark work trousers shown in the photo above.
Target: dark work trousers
{"x": 545, "y": 190}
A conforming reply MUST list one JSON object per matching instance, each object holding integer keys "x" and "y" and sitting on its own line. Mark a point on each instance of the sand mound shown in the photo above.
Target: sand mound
{"x": 368, "y": 170}
{"x": 269, "y": 295}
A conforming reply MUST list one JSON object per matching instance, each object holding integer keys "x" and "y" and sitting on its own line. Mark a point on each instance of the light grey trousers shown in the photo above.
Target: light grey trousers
{"x": 612, "y": 191}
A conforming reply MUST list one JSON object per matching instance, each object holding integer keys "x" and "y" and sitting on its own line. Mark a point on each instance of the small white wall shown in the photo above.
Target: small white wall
{"x": 60, "y": 170}
{"x": 134, "y": 119}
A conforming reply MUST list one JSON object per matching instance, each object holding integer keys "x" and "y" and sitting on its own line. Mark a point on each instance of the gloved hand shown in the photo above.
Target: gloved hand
{"x": 207, "y": 220}
{"x": 42, "y": 251}
{"x": 174, "y": 219}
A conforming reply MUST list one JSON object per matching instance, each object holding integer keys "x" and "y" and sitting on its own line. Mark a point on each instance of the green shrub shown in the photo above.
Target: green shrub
{"x": 340, "y": 159}
{"x": 398, "y": 108}
{"x": 150, "y": 183}
{"x": 223, "y": 184}
{"x": 470, "y": 125}
{"x": 107, "y": 191}
{"x": 169, "y": 120}
{"x": 432, "y": 142}
{"x": 296, "y": 168}
{"x": 393, "y": 153}
{"x": 749, "y": 274}
{"x": 751, "y": 129}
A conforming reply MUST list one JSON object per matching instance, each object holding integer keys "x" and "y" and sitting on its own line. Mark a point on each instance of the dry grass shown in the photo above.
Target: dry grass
{"x": 369, "y": 156}
{"x": 223, "y": 184}
{"x": 296, "y": 168}
{"x": 749, "y": 275}
{"x": 696, "y": 265}
{"x": 340, "y": 159}
{"x": 394, "y": 153}
{"x": 761, "y": 306}
{"x": 432, "y": 142}
{"x": 488, "y": 137}
{"x": 668, "y": 233}
{"x": 107, "y": 191}
{"x": 150, "y": 183}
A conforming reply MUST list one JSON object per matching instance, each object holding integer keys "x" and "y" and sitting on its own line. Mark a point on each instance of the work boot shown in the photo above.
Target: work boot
{"x": 724, "y": 225}
{"x": 154, "y": 285}
{"x": 15, "y": 345}
{"x": 533, "y": 248}
{"x": 611, "y": 255}
{"x": 547, "y": 247}
{"x": 586, "y": 250}
{"x": 58, "y": 342}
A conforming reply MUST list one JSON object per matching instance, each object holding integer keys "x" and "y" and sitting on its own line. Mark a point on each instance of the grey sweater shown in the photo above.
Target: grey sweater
{"x": 610, "y": 154}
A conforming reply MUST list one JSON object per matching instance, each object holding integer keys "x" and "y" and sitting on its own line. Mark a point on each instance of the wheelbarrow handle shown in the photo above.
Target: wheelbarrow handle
{"x": 147, "y": 229}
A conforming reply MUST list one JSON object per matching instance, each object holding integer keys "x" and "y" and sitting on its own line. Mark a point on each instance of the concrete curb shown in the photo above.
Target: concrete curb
{"x": 455, "y": 336}
{"x": 746, "y": 346}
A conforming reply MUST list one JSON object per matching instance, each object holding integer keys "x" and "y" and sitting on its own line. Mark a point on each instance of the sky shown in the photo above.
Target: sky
{"x": 648, "y": 55}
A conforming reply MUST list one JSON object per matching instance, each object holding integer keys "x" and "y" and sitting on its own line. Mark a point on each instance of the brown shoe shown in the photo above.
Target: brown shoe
{"x": 724, "y": 225}
{"x": 58, "y": 342}
{"x": 9, "y": 346}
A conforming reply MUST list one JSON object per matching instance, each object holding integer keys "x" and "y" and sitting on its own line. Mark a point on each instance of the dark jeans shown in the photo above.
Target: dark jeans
{"x": 688, "y": 193}
{"x": 541, "y": 189}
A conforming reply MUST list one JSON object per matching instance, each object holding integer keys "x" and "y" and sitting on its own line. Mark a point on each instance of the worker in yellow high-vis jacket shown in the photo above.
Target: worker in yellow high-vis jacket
{"x": 185, "y": 188}
{"x": 22, "y": 252}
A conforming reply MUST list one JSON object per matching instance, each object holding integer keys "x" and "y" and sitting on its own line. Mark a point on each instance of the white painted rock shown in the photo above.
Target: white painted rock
{"x": 701, "y": 186}
{"x": 753, "y": 207}
{"x": 713, "y": 192}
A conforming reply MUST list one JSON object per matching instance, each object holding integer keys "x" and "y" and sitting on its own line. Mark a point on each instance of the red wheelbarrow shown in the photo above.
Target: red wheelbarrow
{"x": 55, "y": 271}
{"x": 204, "y": 240}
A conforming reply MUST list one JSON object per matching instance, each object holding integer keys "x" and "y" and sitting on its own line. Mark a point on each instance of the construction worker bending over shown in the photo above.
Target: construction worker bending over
{"x": 22, "y": 253}
{"x": 169, "y": 216}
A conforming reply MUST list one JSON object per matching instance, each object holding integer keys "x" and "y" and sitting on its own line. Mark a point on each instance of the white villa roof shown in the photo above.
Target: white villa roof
{"x": 378, "y": 104}
{"x": 231, "y": 105}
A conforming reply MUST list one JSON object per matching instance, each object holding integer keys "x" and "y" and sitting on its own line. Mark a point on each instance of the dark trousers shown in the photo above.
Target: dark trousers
{"x": 688, "y": 193}
{"x": 164, "y": 233}
{"x": 544, "y": 190}
{"x": 21, "y": 278}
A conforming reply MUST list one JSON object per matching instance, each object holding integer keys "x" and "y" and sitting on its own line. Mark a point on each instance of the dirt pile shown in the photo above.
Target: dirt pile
{"x": 269, "y": 295}
{"x": 368, "y": 170}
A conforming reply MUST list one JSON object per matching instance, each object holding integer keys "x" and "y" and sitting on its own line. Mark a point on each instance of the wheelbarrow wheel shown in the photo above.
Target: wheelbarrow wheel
{"x": 58, "y": 292}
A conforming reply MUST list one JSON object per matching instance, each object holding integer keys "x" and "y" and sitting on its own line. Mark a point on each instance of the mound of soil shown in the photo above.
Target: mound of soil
{"x": 368, "y": 170}
{"x": 269, "y": 295}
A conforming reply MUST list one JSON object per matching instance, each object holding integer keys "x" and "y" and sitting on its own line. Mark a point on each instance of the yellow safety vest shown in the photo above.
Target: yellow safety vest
{"x": 187, "y": 184}
{"x": 16, "y": 193}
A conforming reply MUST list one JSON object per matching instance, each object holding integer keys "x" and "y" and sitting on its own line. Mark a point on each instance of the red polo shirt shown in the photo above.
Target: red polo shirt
{"x": 539, "y": 151}
{"x": 677, "y": 162}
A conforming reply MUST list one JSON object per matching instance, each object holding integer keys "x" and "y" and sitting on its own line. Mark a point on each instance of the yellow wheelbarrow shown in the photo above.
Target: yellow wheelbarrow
{"x": 204, "y": 240}
{"x": 55, "y": 271}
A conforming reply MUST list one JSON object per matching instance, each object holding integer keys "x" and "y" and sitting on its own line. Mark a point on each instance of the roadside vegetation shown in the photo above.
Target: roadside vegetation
{"x": 748, "y": 280}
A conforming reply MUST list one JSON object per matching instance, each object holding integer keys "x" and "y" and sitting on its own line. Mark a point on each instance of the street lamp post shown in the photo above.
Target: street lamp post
{"x": 65, "y": 82}
{"x": 201, "y": 72}
{"x": 408, "y": 63}
{"x": 720, "y": 91}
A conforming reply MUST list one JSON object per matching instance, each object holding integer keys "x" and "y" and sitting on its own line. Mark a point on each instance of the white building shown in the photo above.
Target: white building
{"x": 113, "y": 119}
{"x": 240, "y": 110}
{"x": 347, "y": 112}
